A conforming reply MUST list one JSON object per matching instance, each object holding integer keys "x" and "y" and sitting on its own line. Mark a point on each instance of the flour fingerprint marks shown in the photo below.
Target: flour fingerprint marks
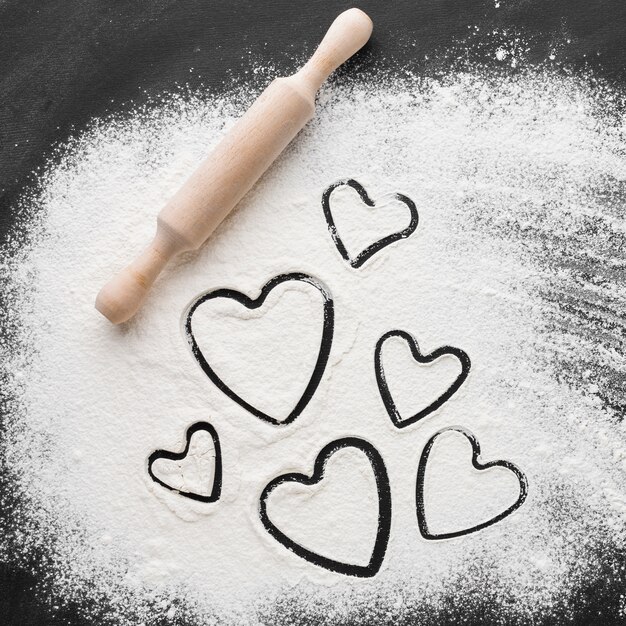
{"x": 430, "y": 359}
{"x": 384, "y": 509}
{"x": 252, "y": 304}
{"x": 191, "y": 461}
{"x": 420, "y": 495}
{"x": 370, "y": 250}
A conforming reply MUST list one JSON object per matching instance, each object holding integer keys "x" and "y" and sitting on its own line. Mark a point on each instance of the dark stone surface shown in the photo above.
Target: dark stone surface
{"x": 63, "y": 62}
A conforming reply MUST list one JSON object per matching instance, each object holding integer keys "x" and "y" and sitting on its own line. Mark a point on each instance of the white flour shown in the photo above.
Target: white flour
{"x": 506, "y": 173}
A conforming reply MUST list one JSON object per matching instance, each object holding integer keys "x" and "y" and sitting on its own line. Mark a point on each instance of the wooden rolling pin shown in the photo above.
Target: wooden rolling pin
{"x": 233, "y": 167}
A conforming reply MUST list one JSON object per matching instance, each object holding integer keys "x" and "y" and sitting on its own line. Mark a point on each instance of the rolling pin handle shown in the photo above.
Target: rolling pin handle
{"x": 124, "y": 294}
{"x": 349, "y": 32}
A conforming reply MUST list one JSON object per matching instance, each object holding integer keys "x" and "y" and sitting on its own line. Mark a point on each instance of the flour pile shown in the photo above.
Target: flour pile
{"x": 518, "y": 260}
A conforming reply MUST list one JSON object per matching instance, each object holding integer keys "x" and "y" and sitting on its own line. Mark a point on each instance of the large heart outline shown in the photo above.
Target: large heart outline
{"x": 384, "y": 509}
{"x": 421, "y": 474}
{"x": 383, "y": 387}
{"x": 375, "y": 247}
{"x": 178, "y": 456}
{"x": 255, "y": 303}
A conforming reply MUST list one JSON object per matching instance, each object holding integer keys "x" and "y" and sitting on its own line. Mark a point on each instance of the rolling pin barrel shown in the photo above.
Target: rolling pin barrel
{"x": 238, "y": 161}
{"x": 232, "y": 168}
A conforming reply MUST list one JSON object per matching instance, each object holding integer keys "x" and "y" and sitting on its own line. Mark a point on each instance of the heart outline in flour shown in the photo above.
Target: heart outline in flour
{"x": 378, "y": 245}
{"x": 178, "y": 456}
{"x": 421, "y": 474}
{"x": 255, "y": 303}
{"x": 384, "y": 509}
{"x": 417, "y": 355}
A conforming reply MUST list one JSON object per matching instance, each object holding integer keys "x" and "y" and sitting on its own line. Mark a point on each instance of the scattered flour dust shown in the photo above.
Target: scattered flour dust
{"x": 506, "y": 172}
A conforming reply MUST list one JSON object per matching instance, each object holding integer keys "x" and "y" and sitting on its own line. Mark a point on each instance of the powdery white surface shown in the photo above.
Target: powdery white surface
{"x": 456, "y": 491}
{"x": 487, "y": 160}
{"x": 269, "y": 361}
{"x": 195, "y": 472}
{"x": 413, "y": 387}
{"x": 371, "y": 223}
{"x": 329, "y": 518}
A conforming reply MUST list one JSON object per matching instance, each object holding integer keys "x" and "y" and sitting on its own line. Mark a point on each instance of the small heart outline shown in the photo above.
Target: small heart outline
{"x": 421, "y": 475}
{"x": 255, "y": 303}
{"x": 378, "y": 245}
{"x": 178, "y": 456}
{"x": 383, "y": 387}
{"x": 384, "y": 509}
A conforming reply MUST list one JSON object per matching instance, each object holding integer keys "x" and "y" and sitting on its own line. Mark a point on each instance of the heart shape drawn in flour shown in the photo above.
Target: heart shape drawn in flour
{"x": 452, "y": 484}
{"x": 431, "y": 360}
{"x": 176, "y": 470}
{"x": 358, "y": 260}
{"x": 384, "y": 509}
{"x": 252, "y": 304}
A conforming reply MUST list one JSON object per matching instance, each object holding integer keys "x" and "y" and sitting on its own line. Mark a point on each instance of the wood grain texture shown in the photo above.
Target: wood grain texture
{"x": 234, "y": 165}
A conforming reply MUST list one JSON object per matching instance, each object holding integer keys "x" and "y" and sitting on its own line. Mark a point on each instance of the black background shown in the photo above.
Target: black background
{"x": 62, "y": 62}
